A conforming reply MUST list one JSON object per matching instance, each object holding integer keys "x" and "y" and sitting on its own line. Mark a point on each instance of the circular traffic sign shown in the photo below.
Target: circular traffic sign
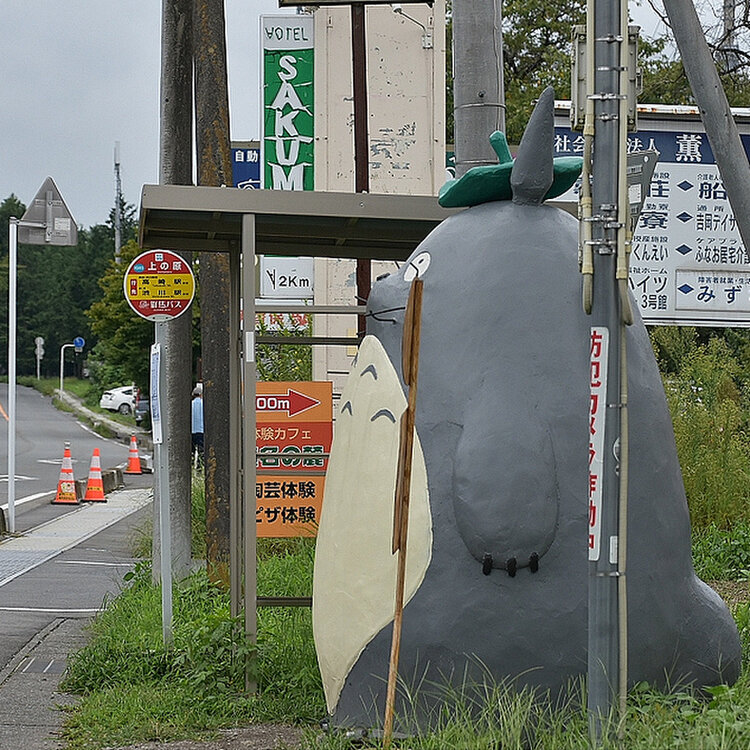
{"x": 159, "y": 285}
{"x": 78, "y": 342}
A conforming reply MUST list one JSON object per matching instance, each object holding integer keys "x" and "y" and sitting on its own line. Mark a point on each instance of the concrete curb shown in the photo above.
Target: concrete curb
{"x": 98, "y": 421}
{"x": 111, "y": 480}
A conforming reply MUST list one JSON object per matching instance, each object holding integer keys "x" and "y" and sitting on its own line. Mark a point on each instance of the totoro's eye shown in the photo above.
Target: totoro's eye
{"x": 417, "y": 266}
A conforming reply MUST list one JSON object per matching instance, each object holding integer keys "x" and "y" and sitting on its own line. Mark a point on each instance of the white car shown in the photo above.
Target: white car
{"x": 119, "y": 399}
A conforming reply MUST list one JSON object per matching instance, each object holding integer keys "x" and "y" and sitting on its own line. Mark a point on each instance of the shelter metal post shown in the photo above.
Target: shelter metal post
{"x": 248, "y": 446}
{"x": 235, "y": 437}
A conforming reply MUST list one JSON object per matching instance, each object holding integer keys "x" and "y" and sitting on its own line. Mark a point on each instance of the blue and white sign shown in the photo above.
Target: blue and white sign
{"x": 79, "y": 342}
{"x": 688, "y": 265}
{"x": 246, "y": 166}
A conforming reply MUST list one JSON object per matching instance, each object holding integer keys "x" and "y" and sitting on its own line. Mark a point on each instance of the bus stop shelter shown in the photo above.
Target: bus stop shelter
{"x": 246, "y": 223}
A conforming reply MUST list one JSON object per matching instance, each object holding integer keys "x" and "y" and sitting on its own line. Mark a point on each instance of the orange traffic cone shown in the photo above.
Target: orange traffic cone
{"x": 134, "y": 462}
{"x": 95, "y": 485}
{"x": 66, "y": 485}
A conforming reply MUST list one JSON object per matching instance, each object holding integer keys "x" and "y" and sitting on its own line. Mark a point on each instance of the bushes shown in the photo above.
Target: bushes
{"x": 710, "y": 405}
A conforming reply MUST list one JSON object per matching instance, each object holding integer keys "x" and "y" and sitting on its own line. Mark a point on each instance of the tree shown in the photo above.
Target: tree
{"x": 55, "y": 287}
{"x": 537, "y": 53}
{"x": 121, "y": 354}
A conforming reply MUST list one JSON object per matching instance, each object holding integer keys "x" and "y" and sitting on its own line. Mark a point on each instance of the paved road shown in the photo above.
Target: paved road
{"x": 41, "y": 432}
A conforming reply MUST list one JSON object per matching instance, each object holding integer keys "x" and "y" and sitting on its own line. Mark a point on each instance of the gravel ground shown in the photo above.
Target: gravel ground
{"x": 258, "y": 737}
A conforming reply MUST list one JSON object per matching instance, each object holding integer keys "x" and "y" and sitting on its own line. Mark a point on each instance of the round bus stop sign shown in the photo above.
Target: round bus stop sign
{"x": 159, "y": 285}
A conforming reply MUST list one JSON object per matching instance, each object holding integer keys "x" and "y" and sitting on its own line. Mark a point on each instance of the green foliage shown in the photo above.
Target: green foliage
{"x": 55, "y": 286}
{"x": 200, "y": 681}
{"x": 722, "y": 554}
{"x": 283, "y": 361}
{"x": 121, "y": 356}
{"x": 536, "y": 55}
{"x": 709, "y": 405}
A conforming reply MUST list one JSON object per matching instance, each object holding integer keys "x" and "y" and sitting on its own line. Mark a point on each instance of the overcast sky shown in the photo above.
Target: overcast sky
{"x": 78, "y": 75}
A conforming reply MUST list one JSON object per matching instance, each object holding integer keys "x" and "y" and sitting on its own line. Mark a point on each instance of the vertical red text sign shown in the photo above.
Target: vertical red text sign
{"x": 597, "y": 414}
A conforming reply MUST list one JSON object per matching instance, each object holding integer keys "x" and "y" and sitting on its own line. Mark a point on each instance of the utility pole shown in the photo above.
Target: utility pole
{"x": 214, "y": 169}
{"x": 176, "y": 168}
{"x": 118, "y": 204}
{"x": 606, "y": 251}
{"x": 478, "y": 88}
{"x": 714, "y": 109}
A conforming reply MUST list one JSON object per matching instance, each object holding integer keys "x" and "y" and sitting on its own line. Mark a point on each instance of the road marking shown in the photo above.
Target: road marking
{"x": 93, "y": 432}
{"x": 5, "y": 416}
{"x": 29, "y": 498}
{"x": 21, "y": 477}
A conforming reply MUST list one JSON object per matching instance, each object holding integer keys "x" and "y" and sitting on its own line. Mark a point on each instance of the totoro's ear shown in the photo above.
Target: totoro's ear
{"x": 533, "y": 170}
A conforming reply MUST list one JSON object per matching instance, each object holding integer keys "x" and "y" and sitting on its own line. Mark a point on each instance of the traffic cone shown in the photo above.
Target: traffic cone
{"x": 95, "y": 485}
{"x": 66, "y": 485}
{"x": 134, "y": 462}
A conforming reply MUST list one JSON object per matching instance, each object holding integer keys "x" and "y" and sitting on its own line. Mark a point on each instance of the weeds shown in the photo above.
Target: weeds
{"x": 722, "y": 554}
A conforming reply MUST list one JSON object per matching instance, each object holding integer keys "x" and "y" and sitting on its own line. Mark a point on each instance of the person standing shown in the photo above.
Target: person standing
{"x": 196, "y": 424}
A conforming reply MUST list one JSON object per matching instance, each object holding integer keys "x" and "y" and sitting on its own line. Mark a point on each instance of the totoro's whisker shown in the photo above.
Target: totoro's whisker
{"x": 374, "y": 314}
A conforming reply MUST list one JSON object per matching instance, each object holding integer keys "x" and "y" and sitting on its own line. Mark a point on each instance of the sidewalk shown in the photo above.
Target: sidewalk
{"x": 29, "y": 698}
{"x": 30, "y": 715}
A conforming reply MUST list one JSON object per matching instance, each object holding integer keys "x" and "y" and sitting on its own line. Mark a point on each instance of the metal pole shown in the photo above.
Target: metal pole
{"x": 603, "y": 641}
{"x": 249, "y": 476}
{"x": 361, "y": 142}
{"x": 161, "y": 456}
{"x": 235, "y": 437}
{"x": 12, "y": 274}
{"x": 714, "y": 109}
{"x": 62, "y": 362}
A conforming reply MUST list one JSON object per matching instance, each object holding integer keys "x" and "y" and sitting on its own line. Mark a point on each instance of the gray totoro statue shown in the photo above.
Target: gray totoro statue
{"x": 497, "y": 573}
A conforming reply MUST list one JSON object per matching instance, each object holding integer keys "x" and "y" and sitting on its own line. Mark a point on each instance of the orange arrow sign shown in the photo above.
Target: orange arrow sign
{"x": 291, "y": 403}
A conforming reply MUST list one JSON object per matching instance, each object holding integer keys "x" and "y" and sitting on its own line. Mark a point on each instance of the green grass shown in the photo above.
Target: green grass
{"x": 722, "y": 554}
{"x": 200, "y": 681}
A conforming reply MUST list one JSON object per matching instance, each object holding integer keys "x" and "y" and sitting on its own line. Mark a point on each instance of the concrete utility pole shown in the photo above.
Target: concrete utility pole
{"x": 478, "y": 89}
{"x": 214, "y": 169}
{"x": 176, "y": 168}
{"x": 714, "y": 109}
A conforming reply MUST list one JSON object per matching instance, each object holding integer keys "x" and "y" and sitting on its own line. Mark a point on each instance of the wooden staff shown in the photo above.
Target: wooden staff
{"x": 410, "y": 363}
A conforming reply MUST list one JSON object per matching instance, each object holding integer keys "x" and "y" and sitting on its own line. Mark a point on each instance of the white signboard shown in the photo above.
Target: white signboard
{"x": 286, "y": 278}
{"x": 155, "y": 397}
{"x": 688, "y": 265}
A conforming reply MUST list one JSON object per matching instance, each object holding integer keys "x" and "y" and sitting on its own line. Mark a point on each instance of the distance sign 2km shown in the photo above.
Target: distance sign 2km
{"x": 159, "y": 285}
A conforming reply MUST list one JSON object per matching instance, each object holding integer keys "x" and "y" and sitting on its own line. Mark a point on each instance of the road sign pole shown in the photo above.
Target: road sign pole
{"x": 161, "y": 456}
{"x": 159, "y": 286}
{"x": 47, "y": 212}
{"x": 12, "y": 270}
{"x": 62, "y": 363}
